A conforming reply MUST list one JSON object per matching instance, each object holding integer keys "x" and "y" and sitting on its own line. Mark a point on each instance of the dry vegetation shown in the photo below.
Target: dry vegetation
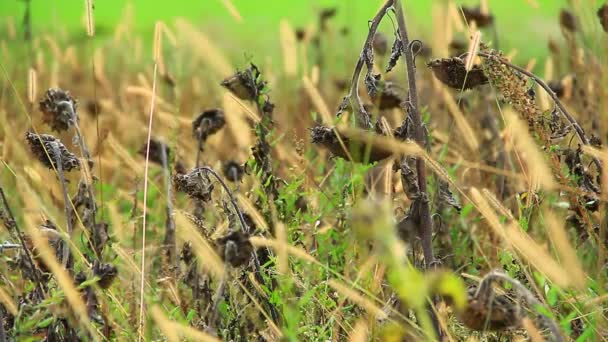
{"x": 174, "y": 195}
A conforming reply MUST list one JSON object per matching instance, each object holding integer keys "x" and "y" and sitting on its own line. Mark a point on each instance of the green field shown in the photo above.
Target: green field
{"x": 520, "y": 25}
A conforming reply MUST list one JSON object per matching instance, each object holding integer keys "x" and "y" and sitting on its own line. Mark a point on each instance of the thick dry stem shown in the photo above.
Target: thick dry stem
{"x": 426, "y": 223}
{"x": 357, "y": 105}
{"x": 65, "y": 258}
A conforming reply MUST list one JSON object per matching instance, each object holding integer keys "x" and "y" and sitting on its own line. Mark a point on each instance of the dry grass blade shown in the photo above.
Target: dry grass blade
{"x": 468, "y": 134}
{"x": 290, "y": 52}
{"x": 359, "y": 333}
{"x": 539, "y": 171}
{"x": 282, "y": 243}
{"x": 31, "y": 86}
{"x": 484, "y": 208}
{"x": 210, "y": 260}
{"x": 90, "y": 18}
{"x": 232, "y": 10}
{"x": 250, "y": 209}
{"x": 358, "y": 299}
{"x": 566, "y": 252}
{"x": 317, "y": 100}
{"x": 473, "y": 49}
{"x": 65, "y": 281}
{"x": 536, "y": 255}
{"x": 173, "y": 330}
{"x": 8, "y": 303}
{"x": 297, "y": 252}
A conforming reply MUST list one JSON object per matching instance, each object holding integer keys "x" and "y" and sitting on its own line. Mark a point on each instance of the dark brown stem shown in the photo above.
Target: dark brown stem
{"x": 357, "y": 104}
{"x": 2, "y": 332}
{"x": 170, "y": 224}
{"x": 68, "y": 208}
{"x": 412, "y": 111}
{"x": 13, "y": 224}
{"x": 426, "y": 223}
{"x": 580, "y": 133}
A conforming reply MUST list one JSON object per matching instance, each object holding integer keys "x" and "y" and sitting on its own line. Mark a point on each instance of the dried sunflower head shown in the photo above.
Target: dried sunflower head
{"x": 380, "y": 44}
{"x": 475, "y": 14}
{"x": 41, "y": 144}
{"x": 208, "y": 123}
{"x": 244, "y": 84}
{"x": 602, "y": 14}
{"x": 106, "y": 273}
{"x": 233, "y": 171}
{"x": 196, "y": 184}
{"x": 567, "y": 20}
{"x": 453, "y": 73}
{"x": 58, "y": 109}
{"x": 156, "y": 151}
{"x": 359, "y": 151}
{"x": 235, "y": 248}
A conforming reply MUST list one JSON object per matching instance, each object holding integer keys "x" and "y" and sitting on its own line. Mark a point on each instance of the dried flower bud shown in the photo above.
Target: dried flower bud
{"x": 233, "y": 171}
{"x": 325, "y": 15}
{"x": 567, "y": 20}
{"x": 244, "y": 84}
{"x": 196, "y": 184}
{"x": 476, "y": 15}
{"x": 106, "y": 273}
{"x": 452, "y": 72}
{"x": 58, "y": 109}
{"x": 208, "y": 123}
{"x": 389, "y": 96}
{"x": 300, "y": 34}
{"x": 380, "y": 44}
{"x": 41, "y": 142}
{"x": 602, "y": 13}
{"x": 235, "y": 248}
{"x": 156, "y": 151}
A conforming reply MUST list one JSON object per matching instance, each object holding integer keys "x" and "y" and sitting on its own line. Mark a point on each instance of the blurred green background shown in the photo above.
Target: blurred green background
{"x": 520, "y": 25}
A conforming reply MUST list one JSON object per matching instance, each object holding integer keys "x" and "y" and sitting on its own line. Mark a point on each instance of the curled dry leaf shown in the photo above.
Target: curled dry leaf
{"x": 208, "y": 123}
{"x": 195, "y": 184}
{"x": 41, "y": 144}
{"x": 244, "y": 83}
{"x": 59, "y": 109}
{"x": 452, "y": 72}
{"x": 357, "y": 150}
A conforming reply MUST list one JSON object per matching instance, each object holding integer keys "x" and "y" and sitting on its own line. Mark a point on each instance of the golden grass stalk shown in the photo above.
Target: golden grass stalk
{"x": 250, "y": 209}
{"x": 531, "y": 64}
{"x": 204, "y": 48}
{"x": 210, "y": 260}
{"x": 8, "y": 302}
{"x": 533, "y": 332}
{"x": 358, "y": 299}
{"x": 297, "y": 252}
{"x": 158, "y": 45}
{"x": 473, "y": 49}
{"x": 236, "y": 123}
{"x": 290, "y": 51}
{"x": 89, "y": 17}
{"x": 537, "y": 256}
{"x": 486, "y": 211}
{"x": 173, "y": 330}
{"x": 32, "y": 85}
{"x": 234, "y": 12}
{"x": 463, "y": 125}
{"x": 143, "y": 233}
{"x": 566, "y": 252}
{"x": 497, "y": 205}
{"x": 455, "y": 16}
{"x": 122, "y": 153}
{"x": 539, "y": 172}
{"x": 282, "y": 243}
{"x": 359, "y": 332}
{"x": 317, "y": 101}
{"x": 64, "y": 280}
